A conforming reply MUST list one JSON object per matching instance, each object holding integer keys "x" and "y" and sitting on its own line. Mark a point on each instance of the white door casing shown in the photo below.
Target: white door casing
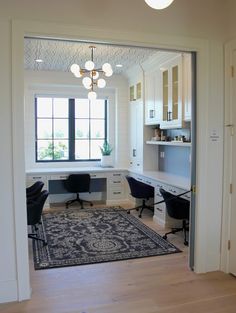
{"x": 232, "y": 215}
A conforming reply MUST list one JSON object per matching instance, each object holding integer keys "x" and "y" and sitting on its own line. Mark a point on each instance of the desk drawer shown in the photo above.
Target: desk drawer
{"x": 59, "y": 177}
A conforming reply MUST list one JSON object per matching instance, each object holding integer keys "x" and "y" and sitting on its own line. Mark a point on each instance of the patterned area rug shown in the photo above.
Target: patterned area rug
{"x": 77, "y": 237}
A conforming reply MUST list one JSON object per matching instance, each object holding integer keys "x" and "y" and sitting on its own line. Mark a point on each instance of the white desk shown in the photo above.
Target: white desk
{"x": 172, "y": 183}
{"x": 108, "y": 181}
{"x": 115, "y": 189}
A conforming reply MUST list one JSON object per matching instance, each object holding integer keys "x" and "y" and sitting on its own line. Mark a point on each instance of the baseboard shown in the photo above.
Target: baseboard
{"x": 8, "y": 291}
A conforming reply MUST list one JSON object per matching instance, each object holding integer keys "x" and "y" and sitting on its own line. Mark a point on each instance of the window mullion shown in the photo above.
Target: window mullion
{"x": 71, "y": 129}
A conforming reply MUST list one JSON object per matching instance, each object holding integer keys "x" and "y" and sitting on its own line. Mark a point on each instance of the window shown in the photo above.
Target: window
{"x": 69, "y": 129}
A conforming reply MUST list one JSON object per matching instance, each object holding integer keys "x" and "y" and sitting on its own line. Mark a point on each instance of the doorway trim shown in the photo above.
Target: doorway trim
{"x": 200, "y": 46}
{"x": 230, "y": 47}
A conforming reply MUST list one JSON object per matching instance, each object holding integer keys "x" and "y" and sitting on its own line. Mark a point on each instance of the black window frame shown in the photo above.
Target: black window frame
{"x": 71, "y": 130}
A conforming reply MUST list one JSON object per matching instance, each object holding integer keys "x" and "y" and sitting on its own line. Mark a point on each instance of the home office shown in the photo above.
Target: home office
{"x": 157, "y": 92}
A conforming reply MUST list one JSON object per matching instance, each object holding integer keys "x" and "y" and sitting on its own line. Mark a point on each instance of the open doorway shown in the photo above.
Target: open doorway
{"x": 44, "y": 79}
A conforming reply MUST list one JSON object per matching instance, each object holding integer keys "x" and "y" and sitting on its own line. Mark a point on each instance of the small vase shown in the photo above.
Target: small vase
{"x": 106, "y": 161}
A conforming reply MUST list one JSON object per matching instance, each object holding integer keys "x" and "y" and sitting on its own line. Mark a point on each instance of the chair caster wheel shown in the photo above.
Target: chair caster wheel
{"x": 186, "y": 243}
{"x": 137, "y": 209}
{"x": 140, "y": 216}
{"x": 128, "y": 212}
{"x": 91, "y": 204}
{"x": 164, "y": 237}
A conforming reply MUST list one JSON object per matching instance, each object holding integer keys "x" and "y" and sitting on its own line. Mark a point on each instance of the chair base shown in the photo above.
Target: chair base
{"x": 34, "y": 236}
{"x": 184, "y": 228}
{"x": 77, "y": 199}
{"x": 141, "y": 208}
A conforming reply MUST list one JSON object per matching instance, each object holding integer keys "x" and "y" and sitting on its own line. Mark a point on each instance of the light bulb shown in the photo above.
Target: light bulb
{"x": 75, "y": 68}
{"x": 95, "y": 74}
{"x": 159, "y": 4}
{"x": 101, "y": 83}
{"x": 87, "y": 81}
{"x": 92, "y": 95}
{"x": 77, "y": 74}
{"x": 89, "y": 65}
{"x": 106, "y": 67}
{"x": 109, "y": 73}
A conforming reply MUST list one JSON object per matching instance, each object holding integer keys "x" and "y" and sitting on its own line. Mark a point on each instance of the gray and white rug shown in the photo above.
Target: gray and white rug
{"x": 95, "y": 235}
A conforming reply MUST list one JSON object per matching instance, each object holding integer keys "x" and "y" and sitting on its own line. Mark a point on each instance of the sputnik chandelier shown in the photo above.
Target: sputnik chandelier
{"x": 159, "y": 4}
{"x": 91, "y": 75}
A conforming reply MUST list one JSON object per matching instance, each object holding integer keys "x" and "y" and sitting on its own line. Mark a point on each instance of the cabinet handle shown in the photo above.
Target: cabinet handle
{"x": 158, "y": 209}
{"x": 151, "y": 113}
{"x": 116, "y": 182}
{"x": 116, "y": 174}
{"x": 169, "y": 118}
{"x": 37, "y": 177}
{"x": 134, "y": 152}
{"x": 117, "y": 193}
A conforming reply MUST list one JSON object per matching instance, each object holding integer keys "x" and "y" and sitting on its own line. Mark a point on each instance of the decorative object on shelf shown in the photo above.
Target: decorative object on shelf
{"x": 159, "y": 4}
{"x": 157, "y": 133}
{"x": 92, "y": 73}
{"x": 106, "y": 159}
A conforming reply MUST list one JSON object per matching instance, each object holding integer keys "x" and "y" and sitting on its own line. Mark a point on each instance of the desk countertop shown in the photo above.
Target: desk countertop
{"x": 61, "y": 170}
{"x": 166, "y": 178}
{"x": 163, "y": 177}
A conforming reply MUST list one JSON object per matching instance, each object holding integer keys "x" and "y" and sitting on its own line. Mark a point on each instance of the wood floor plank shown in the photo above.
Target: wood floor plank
{"x": 162, "y": 284}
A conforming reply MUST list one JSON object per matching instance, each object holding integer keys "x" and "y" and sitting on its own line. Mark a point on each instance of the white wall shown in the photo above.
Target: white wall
{"x": 8, "y": 279}
{"x": 64, "y": 84}
{"x": 179, "y": 26}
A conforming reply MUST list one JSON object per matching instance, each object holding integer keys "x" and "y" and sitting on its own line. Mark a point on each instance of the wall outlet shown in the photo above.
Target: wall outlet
{"x": 162, "y": 154}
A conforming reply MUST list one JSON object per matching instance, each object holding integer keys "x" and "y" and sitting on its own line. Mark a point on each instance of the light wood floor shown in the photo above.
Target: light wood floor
{"x": 161, "y": 284}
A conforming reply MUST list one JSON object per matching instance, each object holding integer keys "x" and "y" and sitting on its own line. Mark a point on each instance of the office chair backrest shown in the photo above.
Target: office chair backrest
{"x": 139, "y": 189}
{"x": 35, "y": 189}
{"x": 177, "y": 207}
{"x": 78, "y": 183}
{"x": 35, "y": 208}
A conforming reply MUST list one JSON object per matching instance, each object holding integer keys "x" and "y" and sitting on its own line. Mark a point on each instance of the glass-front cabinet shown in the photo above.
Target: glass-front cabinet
{"x": 171, "y": 81}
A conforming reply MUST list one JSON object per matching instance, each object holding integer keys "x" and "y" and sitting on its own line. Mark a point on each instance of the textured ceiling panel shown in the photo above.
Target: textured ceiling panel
{"x": 58, "y": 55}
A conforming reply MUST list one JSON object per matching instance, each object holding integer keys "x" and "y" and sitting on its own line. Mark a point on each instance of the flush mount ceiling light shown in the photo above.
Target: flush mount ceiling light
{"x": 159, "y": 4}
{"x": 90, "y": 74}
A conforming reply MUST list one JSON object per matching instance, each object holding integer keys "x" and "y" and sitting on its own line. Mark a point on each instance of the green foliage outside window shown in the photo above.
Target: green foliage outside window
{"x": 53, "y": 152}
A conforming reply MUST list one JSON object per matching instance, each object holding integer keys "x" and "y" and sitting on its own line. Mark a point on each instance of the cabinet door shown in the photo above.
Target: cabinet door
{"x": 171, "y": 81}
{"x": 136, "y": 132}
{"x": 149, "y": 99}
{"x": 153, "y": 103}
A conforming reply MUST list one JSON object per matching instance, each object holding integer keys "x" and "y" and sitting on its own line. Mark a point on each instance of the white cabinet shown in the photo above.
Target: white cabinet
{"x": 136, "y": 134}
{"x": 153, "y": 106}
{"x": 31, "y": 179}
{"x": 116, "y": 186}
{"x": 172, "y": 93}
{"x": 160, "y": 213}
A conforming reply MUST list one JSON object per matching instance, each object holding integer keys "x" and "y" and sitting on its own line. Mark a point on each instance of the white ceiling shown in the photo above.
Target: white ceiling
{"x": 58, "y": 55}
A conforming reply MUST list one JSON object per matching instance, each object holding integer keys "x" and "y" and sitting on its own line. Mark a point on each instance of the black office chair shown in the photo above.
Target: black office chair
{"x": 142, "y": 191}
{"x": 34, "y": 214}
{"x": 177, "y": 208}
{"x": 34, "y": 190}
{"x": 78, "y": 183}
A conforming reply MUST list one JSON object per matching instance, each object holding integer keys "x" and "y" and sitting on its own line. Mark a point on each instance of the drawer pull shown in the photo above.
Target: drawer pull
{"x": 37, "y": 177}
{"x": 160, "y": 210}
{"x": 116, "y": 174}
{"x": 116, "y": 182}
{"x": 117, "y": 193}
{"x": 93, "y": 175}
